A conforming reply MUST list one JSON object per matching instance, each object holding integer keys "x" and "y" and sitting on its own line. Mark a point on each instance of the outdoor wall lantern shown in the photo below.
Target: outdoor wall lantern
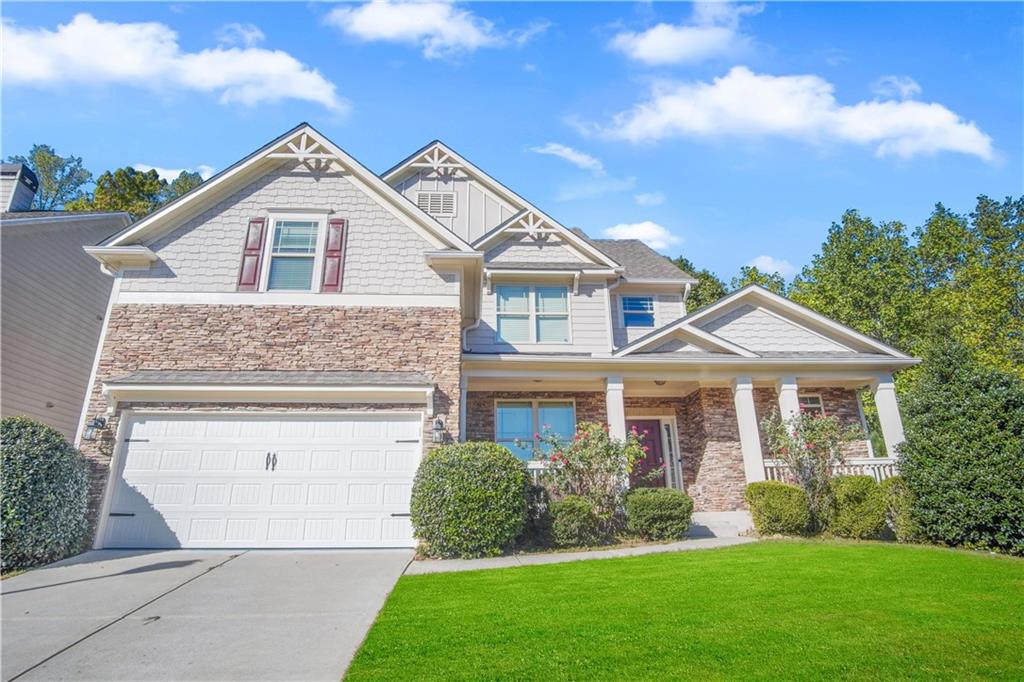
{"x": 438, "y": 430}
{"x": 92, "y": 426}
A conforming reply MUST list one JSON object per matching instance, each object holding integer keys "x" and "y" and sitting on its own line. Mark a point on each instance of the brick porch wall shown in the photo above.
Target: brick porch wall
{"x": 216, "y": 337}
{"x": 839, "y": 402}
{"x": 590, "y": 407}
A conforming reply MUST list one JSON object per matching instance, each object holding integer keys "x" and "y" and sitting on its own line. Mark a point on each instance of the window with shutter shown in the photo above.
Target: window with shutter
{"x": 252, "y": 250}
{"x": 437, "y": 204}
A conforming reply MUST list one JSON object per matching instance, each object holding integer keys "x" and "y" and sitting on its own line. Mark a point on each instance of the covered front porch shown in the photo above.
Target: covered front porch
{"x": 703, "y": 424}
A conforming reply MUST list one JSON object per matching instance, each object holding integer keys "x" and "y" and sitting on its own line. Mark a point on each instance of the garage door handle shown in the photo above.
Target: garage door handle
{"x": 397, "y": 514}
{"x": 122, "y": 514}
{"x": 409, "y": 440}
{"x": 268, "y": 461}
{"x": 273, "y": 463}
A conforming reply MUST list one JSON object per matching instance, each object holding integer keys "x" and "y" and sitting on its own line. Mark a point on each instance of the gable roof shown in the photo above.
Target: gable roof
{"x": 755, "y": 293}
{"x": 309, "y": 146}
{"x": 641, "y": 262}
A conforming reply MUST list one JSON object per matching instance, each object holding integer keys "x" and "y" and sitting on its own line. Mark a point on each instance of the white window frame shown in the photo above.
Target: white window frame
{"x": 318, "y": 257}
{"x": 654, "y": 310}
{"x": 535, "y": 403}
{"x": 531, "y": 312}
{"x": 821, "y": 402}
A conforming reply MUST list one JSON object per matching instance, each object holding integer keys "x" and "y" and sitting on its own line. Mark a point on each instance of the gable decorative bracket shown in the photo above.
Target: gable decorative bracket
{"x": 439, "y": 161}
{"x": 309, "y": 152}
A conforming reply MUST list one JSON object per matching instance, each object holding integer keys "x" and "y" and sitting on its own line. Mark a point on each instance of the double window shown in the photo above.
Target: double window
{"x": 517, "y": 422}
{"x": 638, "y": 311}
{"x": 529, "y": 314}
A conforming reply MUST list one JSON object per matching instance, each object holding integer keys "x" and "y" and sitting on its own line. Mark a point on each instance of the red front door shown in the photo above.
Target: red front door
{"x": 650, "y": 471}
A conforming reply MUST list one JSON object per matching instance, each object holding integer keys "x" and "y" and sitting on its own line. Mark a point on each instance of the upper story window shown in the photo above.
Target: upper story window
{"x": 811, "y": 404}
{"x": 532, "y": 314}
{"x": 293, "y": 255}
{"x": 437, "y": 204}
{"x": 638, "y": 311}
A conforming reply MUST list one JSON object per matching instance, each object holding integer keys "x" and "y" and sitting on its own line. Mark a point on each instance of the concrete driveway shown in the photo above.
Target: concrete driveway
{"x": 194, "y": 614}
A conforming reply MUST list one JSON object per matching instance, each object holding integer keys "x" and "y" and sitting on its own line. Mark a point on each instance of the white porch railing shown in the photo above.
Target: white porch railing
{"x": 879, "y": 468}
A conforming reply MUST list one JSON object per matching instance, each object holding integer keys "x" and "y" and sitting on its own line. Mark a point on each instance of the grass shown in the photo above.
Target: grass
{"x": 770, "y": 610}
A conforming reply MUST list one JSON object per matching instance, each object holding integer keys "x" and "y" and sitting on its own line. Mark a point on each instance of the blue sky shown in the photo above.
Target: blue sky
{"x": 726, "y": 133}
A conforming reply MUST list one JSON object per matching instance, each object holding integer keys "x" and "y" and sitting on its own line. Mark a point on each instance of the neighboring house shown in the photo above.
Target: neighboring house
{"x": 52, "y": 303}
{"x": 286, "y": 341}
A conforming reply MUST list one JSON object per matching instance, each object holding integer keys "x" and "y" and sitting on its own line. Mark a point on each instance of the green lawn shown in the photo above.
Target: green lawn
{"x": 770, "y": 610}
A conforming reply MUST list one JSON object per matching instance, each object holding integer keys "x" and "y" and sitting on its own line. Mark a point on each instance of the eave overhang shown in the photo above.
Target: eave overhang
{"x": 120, "y": 258}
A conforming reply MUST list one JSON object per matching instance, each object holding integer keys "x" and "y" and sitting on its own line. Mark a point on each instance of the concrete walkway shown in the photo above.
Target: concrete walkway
{"x": 195, "y": 615}
{"x": 452, "y": 565}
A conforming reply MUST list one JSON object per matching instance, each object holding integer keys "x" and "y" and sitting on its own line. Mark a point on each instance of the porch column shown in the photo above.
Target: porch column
{"x": 888, "y": 413}
{"x": 616, "y": 407}
{"x": 789, "y": 403}
{"x": 746, "y": 419}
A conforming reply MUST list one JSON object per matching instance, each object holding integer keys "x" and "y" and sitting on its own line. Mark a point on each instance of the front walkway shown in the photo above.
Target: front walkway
{"x": 453, "y": 565}
{"x": 194, "y": 614}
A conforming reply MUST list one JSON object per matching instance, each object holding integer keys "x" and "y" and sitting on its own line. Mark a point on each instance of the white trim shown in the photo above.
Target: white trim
{"x": 821, "y": 401}
{"x": 622, "y": 310}
{"x": 675, "y": 359}
{"x": 114, "y": 289}
{"x": 77, "y": 217}
{"x": 290, "y": 298}
{"x": 119, "y": 258}
{"x": 114, "y": 471}
{"x": 864, "y": 423}
{"x": 684, "y": 328}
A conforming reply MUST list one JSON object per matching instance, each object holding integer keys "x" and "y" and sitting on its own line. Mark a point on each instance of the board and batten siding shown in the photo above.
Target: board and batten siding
{"x": 383, "y": 255}
{"x": 477, "y": 211}
{"x": 667, "y": 308}
{"x": 54, "y": 300}
{"x": 587, "y": 316}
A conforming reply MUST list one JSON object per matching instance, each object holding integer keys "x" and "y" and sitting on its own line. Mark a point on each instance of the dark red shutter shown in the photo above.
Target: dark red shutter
{"x": 334, "y": 255}
{"x": 249, "y": 273}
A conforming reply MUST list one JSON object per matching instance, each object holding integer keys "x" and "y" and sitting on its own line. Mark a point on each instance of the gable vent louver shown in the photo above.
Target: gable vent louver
{"x": 437, "y": 204}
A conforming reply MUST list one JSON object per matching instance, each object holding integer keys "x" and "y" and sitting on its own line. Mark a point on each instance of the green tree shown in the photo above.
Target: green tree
{"x": 184, "y": 183}
{"x": 125, "y": 189}
{"x": 61, "y": 178}
{"x": 749, "y": 274}
{"x": 864, "y": 277}
{"x": 708, "y": 288}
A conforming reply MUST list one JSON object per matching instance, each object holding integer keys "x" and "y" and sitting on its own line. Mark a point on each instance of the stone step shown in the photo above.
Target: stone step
{"x": 720, "y": 524}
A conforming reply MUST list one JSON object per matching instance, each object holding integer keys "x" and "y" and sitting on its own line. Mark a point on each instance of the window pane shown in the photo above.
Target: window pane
{"x": 558, "y": 417}
{"x": 552, "y": 300}
{"x": 291, "y": 273}
{"x": 514, "y": 328}
{"x": 513, "y": 299}
{"x": 523, "y": 451}
{"x": 638, "y": 304}
{"x": 638, "y": 319}
{"x": 811, "y": 403}
{"x": 295, "y": 236}
{"x": 514, "y": 420}
{"x": 553, "y": 329}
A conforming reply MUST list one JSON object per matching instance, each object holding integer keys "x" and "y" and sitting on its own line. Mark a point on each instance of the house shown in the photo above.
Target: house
{"x": 286, "y": 340}
{"x": 53, "y": 303}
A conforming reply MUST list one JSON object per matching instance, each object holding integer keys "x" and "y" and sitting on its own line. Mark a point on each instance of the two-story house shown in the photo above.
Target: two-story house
{"x": 284, "y": 342}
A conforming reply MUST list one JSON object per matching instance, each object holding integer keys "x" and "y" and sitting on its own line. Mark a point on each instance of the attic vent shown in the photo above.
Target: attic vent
{"x": 437, "y": 204}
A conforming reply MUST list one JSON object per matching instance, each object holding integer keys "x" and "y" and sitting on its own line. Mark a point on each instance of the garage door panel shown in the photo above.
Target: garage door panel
{"x": 197, "y": 482}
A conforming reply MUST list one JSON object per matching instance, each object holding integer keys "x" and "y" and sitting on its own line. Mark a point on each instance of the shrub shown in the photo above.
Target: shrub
{"x": 469, "y": 500}
{"x": 778, "y": 508}
{"x": 898, "y": 503}
{"x": 43, "y": 494}
{"x": 857, "y": 509}
{"x": 575, "y": 523}
{"x": 659, "y": 513}
{"x": 963, "y": 460}
{"x": 537, "y": 532}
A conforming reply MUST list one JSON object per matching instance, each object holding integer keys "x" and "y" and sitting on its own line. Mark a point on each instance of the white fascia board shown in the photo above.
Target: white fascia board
{"x": 682, "y": 359}
{"x": 121, "y": 217}
{"x": 655, "y": 282}
{"x": 681, "y": 327}
{"x": 121, "y": 258}
{"x": 570, "y": 238}
{"x": 755, "y": 291}
{"x": 304, "y": 298}
{"x": 250, "y": 393}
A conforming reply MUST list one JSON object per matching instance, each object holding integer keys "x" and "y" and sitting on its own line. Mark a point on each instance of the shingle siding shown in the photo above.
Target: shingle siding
{"x": 523, "y": 249}
{"x": 383, "y": 255}
{"x": 759, "y": 330}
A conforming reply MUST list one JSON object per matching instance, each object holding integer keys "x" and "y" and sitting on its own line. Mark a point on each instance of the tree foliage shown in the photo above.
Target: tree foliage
{"x": 61, "y": 178}
{"x": 185, "y": 182}
{"x": 708, "y": 288}
{"x": 125, "y": 189}
{"x": 750, "y": 274}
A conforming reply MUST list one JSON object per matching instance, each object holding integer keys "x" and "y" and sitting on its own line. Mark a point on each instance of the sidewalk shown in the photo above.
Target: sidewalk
{"x": 453, "y": 565}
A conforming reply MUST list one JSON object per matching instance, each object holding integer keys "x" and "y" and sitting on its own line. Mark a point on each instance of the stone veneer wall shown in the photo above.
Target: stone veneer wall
{"x": 222, "y": 337}
{"x": 839, "y": 402}
{"x": 590, "y": 407}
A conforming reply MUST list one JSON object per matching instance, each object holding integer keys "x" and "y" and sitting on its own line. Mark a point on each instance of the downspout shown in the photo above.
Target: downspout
{"x": 686, "y": 296}
{"x": 609, "y": 314}
{"x": 463, "y": 382}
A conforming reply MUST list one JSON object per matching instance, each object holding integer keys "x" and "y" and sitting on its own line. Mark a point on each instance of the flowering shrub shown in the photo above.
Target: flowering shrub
{"x": 592, "y": 465}
{"x": 810, "y": 445}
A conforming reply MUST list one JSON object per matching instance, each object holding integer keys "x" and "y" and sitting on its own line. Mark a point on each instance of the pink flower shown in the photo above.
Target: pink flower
{"x": 646, "y": 432}
{"x": 646, "y": 449}
{"x": 536, "y": 436}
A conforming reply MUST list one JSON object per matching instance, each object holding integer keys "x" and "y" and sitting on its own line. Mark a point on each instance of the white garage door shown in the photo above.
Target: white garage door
{"x": 235, "y": 480}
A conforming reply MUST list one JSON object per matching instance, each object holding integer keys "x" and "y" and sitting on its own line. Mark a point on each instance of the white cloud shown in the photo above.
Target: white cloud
{"x": 440, "y": 28}
{"x": 170, "y": 174}
{"x": 903, "y": 87}
{"x": 649, "y": 198}
{"x": 86, "y": 51}
{"x": 594, "y": 187}
{"x": 651, "y": 233}
{"x": 770, "y": 264}
{"x": 240, "y": 34}
{"x": 712, "y": 31}
{"x": 743, "y": 103}
{"x": 574, "y": 156}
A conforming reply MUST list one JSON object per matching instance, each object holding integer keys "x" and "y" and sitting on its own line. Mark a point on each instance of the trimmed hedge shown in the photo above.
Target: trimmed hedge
{"x": 658, "y": 513}
{"x": 44, "y": 495}
{"x": 574, "y": 523}
{"x": 899, "y": 503}
{"x": 857, "y": 509}
{"x": 469, "y": 500}
{"x": 778, "y": 508}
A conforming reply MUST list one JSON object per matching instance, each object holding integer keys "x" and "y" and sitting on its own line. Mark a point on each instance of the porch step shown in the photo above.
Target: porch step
{"x": 720, "y": 524}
